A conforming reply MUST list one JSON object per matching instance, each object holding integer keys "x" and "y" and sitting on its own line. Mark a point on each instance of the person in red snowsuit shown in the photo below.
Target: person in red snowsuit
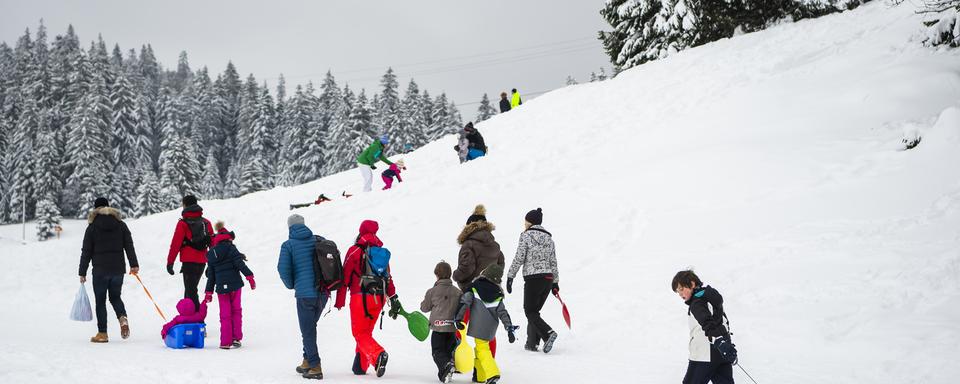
{"x": 365, "y": 307}
{"x": 193, "y": 260}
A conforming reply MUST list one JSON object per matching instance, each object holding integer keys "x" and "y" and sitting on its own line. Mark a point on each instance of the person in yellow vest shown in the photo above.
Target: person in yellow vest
{"x": 515, "y": 99}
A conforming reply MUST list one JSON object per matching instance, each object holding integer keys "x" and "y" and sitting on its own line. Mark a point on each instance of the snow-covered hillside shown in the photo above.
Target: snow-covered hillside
{"x": 770, "y": 162}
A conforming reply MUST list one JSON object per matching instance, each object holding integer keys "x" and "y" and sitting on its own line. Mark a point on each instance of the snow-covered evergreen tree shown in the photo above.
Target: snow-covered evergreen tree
{"x": 387, "y": 103}
{"x": 409, "y": 134}
{"x": 88, "y": 149}
{"x": 149, "y": 194}
{"x": 179, "y": 169}
{"x": 47, "y": 167}
{"x": 602, "y": 75}
{"x": 210, "y": 182}
{"x": 485, "y": 110}
{"x": 571, "y": 80}
{"x": 123, "y": 144}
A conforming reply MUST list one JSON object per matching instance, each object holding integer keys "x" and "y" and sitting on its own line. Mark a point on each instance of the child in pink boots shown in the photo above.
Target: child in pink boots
{"x": 188, "y": 314}
{"x": 390, "y": 173}
{"x": 224, "y": 265}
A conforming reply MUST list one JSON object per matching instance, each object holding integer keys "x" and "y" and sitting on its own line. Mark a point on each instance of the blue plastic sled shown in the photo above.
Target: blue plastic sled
{"x": 186, "y": 335}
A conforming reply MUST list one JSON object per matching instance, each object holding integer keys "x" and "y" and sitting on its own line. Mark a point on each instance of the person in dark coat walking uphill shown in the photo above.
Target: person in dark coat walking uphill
{"x": 104, "y": 243}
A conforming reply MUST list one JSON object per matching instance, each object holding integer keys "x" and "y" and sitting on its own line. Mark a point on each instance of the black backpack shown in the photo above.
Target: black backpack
{"x": 327, "y": 267}
{"x": 199, "y": 236}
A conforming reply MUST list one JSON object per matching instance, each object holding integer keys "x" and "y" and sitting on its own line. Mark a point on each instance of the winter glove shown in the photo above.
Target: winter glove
{"x": 207, "y": 297}
{"x": 726, "y": 348}
{"x": 510, "y": 333}
{"x": 373, "y": 168}
{"x": 556, "y": 288}
{"x": 461, "y": 325}
{"x": 134, "y": 270}
{"x": 253, "y": 284}
{"x": 395, "y": 307}
{"x": 510, "y": 285}
{"x": 170, "y": 269}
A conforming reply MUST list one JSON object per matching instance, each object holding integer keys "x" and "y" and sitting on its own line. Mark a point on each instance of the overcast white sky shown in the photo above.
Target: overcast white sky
{"x": 465, "y": 48}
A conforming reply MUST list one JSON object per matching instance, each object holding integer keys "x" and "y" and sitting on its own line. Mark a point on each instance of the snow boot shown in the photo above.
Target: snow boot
{"x": 124, "y": 328}
{"x": 493, "y": 380}
{"x": 531, "y": 348}
{"x": 100, "y": 337}
{"x": 548, "y": 345}
{"x": 446, "y": 376}
{"x": 381, "y": 365}
{"x": 236, "y": 344}
{"x": 356, "y": 365}
{"x": 314, "y": 373}
{"x": 303, "y": 367}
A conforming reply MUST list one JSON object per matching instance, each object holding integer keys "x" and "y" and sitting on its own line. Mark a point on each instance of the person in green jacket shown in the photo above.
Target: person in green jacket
{"x": 515, "y": 99}
{"x": 369, "y": 157}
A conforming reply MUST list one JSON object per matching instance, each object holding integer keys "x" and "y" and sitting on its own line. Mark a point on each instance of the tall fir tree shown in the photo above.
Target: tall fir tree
{"x": 387, "y": 103}
{"x": 47, "y": 160}
{"x": 86, "y": 149}
{"x": 150, "y": 197}
{"x": 410, "y": 133}
{"x": 210, "y": 182}
{"x": 485, "y": 110}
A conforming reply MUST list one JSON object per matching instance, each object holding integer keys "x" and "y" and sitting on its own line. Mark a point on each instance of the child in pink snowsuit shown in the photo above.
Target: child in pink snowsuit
{"x": 188, "y": 314}
{"x": 390, "y": 173}
{"x": 225, "y": 264}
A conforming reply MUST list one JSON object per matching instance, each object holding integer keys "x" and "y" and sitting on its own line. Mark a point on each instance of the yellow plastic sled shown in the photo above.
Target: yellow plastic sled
{"x": 463, "y": 356}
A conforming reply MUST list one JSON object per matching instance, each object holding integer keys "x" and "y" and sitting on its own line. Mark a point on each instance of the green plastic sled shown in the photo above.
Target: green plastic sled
{"x": 417, "y": 323}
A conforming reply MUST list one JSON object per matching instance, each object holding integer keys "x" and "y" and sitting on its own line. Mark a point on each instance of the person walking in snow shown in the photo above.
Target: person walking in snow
{"x": 536, "y": 254}
{"x": 296, "y": 271}
{"x": 389, "y": 174}
{"x": 442, "y": 302}
{"x": 226, "y": 263}
{"x": 475, "y": 144}
{"x": 191, "y": 240}
{"x": 478, "y": 250}
{"x": 712, "y": 353}
{"x": 369, "y": 157}
{"x": 515, "y": 99}
{"x": 368, "y": 294}
{"x": 105, "y": 241}
{"x": 484, "y": 298}
{"x": 504, "y": 103}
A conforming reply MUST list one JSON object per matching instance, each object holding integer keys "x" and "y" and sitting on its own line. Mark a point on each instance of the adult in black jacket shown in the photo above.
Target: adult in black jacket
{"x": 504, "y": 102}
{"x": 477, "y": 147}
{"x": 104, "y": 243}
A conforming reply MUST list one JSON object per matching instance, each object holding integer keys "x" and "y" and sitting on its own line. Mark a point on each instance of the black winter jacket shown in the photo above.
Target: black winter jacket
{"x": 224, "y": 266}
{"x": 104, "y": 243}
{"x": 504, "y": 105}
{"x": 476, "y": 140}
{"x": 712, "y": 322}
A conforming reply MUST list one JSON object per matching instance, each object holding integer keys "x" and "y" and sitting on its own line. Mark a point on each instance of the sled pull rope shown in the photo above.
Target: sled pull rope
{"x": 150, "y": 296}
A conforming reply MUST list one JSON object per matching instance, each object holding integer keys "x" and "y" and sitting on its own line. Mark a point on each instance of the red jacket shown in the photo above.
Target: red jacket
{"x": 352, "y": 268}
{"x": 182, "y": 232}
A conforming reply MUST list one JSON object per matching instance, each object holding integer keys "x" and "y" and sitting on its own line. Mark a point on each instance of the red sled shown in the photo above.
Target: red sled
{"x": 566, "y": 313}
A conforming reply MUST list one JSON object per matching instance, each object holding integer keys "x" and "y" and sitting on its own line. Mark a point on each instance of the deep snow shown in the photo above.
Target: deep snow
{"x": 770, "y": 162}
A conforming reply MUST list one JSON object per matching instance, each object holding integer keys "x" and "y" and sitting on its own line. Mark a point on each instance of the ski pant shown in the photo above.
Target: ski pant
{"x": 493, "y": 342}
{"x": 367, "y": 176}
{"x": 474, "y": 153}
{"x": 536, "y": 290}
{"x": 231, "y": 317}
{"x": 443, "y": 345}
{"x": 104, "y": 286}
{"x": 362, "y": 327}
{"x": 387, "y": 182}
{"x": 308, "y": 314}
{"x": 483, "y": 361}
{"x": 702, "y": 372}
{"x": 192, "y": 272}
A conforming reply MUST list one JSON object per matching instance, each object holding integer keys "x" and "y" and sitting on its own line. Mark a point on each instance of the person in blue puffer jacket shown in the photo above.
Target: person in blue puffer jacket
{"x": 296, "y": 271}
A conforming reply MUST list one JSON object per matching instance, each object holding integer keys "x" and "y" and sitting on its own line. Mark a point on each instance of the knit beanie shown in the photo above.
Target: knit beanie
{"x": 479, "y": 214}
{"x": 493, "y": 273}
{"x": 101, "y": 202}
{"x": 294, "y": 219}
{"x": 189, "y": 200}
{"x": 534, "y": 217}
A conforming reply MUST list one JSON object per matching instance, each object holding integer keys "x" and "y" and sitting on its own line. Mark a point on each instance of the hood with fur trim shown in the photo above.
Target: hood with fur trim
{"x": 478, "y": 230}
{"x": 106, "y": 211}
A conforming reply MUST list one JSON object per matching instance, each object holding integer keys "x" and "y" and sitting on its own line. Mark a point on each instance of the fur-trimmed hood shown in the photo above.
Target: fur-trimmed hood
{"x": 106, "y": 211}
{"x": 479, "y": 230}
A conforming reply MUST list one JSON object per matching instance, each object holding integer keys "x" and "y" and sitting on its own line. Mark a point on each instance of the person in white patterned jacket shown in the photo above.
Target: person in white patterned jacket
{"x": 536, "y": 253}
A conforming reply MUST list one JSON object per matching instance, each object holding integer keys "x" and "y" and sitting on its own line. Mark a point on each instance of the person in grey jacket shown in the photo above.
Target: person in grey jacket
{"x": 441, "y": 302}
{"x": 484, "y": 298}
{"x": 536, "y": 253}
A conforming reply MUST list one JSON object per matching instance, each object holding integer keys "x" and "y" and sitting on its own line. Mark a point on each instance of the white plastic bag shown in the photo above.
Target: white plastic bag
{"x": 81, "y": 306}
